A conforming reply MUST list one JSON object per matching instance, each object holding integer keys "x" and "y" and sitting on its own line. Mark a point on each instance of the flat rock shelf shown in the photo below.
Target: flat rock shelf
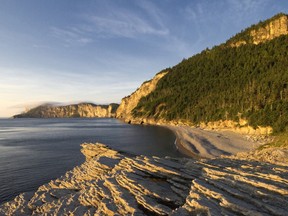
{"x": 110, "y": 182}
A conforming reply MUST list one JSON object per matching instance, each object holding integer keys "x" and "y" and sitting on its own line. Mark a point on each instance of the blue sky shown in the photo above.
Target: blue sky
{"x": 102, "y": 50}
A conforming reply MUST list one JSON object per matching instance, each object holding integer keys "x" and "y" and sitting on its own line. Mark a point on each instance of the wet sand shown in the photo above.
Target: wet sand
{"x": 199, "y": 143}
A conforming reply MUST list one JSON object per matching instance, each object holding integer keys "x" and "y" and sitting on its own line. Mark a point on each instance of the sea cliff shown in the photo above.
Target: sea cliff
{"x": 110, "y": 182}
{"x": 228, "y": 87}
{"x": 128, "y": 103}
{"x": 81, "y": 110}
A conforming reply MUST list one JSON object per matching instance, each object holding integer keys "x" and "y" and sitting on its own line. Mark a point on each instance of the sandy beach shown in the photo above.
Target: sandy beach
{"x": 199, "y": 143}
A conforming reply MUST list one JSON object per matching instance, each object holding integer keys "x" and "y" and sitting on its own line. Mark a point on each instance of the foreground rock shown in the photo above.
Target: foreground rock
{"x": 117, "y": 183}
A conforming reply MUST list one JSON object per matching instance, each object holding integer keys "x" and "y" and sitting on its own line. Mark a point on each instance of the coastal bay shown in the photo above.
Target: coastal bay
{"x": 207, "y": 136}
{"x": 34, "y": 151}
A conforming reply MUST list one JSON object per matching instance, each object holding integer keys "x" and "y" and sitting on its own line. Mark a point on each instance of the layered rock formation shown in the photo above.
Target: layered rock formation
{"x": 269, "y": 30}
{"x": 272, "y": 30}
{"x": 82, "y": 110}
{"x": 118, "y": 183}
{"x": 128, "y": 103}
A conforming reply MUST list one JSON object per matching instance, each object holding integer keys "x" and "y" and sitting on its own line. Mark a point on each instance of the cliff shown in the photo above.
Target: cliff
{"x": 128, "y": 103}
{"x": 82, "y": 110}
{"x": 263, "y": 31}
{"x": 117, "y": 183}
{"x": 222, "y": 87}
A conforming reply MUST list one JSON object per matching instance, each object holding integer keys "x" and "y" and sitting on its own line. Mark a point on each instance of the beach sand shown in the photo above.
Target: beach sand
{"x": 199, "y": 143}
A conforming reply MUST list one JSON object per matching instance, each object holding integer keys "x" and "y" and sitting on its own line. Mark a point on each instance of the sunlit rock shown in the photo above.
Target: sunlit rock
{"x": 114, "y": 183}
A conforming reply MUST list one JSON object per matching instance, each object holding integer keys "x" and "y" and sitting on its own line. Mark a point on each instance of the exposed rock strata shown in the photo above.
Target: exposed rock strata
{"x": 271, "y": 155}
{"x": 115, "y": 183}
{"x": 83, "y": 110}
{"x": 273, "y": 29}
{"x": 128, "y": 103}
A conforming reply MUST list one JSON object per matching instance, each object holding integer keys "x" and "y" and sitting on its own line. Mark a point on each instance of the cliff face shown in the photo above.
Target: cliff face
{"x": 272, "y": 30}
{"x": 82, "y": 110}
{"x": 128, "y": 103}
{"x": 220, "y": 87}
{"x": 114, "y": 183}
{"x": 269, "y": 30}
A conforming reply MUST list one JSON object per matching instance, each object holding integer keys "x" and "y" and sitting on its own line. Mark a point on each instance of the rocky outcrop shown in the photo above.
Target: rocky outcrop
{"x": 82, "y": 110}
{"x": 262, "y": 32}
{"x": 241, "y": 127}
{"x": 128, "y": 103}
{"x": 272, "y": 155}
{"x": 118, "y": 183}
{"x": 272, "y": 30}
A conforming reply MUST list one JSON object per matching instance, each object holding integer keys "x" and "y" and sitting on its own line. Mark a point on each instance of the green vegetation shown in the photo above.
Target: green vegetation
{"x": 250, "y": 82}
{"x": 281, "y": 141}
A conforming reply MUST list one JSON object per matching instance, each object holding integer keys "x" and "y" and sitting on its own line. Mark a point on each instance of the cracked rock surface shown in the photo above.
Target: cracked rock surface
{"x": 118, "y": 183}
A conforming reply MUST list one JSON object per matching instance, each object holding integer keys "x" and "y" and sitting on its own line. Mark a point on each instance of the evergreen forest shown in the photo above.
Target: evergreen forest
{"x": 250, "y": 81}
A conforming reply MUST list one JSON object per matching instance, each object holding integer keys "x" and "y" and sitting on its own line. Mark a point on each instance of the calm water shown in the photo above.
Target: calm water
{"x": 34, "y": 151}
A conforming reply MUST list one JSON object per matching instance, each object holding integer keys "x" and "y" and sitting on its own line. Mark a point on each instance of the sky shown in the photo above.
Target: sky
{"x": 99, "y": 51}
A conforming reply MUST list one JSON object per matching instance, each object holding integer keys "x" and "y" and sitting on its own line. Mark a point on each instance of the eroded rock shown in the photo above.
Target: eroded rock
{"x": 113, "y": 183}
{"x": 128, "y": 103}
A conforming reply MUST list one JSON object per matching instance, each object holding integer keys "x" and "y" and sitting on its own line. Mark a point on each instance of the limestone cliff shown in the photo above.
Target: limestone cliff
{"x": 264, "y": 31}
{"x": 128, "y": 103}
{"x": 114, "y": 183}
{"x": 82, "y": 110}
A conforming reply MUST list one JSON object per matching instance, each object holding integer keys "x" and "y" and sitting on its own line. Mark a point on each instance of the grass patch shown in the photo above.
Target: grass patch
{"x": 280, "y": 141}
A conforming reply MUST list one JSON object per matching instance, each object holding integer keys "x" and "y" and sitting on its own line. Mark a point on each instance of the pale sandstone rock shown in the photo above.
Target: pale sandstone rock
{"x": 273, "y": 29}
{"x": 82, "y": 110}
{"x": 113, "y": 183}
{"x": 130, "y": 102}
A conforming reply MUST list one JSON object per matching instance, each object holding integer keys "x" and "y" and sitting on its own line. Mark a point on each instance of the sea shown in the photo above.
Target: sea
{"x": 35, "y": 151}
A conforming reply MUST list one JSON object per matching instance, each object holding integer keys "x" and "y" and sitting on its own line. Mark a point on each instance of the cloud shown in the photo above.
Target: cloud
{"x": 247, "y": 5}
{"x": 124, "y": 24}
{"x": 153, "y": 12}
{"x": 71, "y": 35}
{"x": 113, "y": 22}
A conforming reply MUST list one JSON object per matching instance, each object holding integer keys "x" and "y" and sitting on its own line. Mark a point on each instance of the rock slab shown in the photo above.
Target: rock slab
{"x": 110, "y": 182}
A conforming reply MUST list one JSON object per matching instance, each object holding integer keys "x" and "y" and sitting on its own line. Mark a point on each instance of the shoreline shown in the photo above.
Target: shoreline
{"x": 110, "y": 182}
{"x": 206, "y": 144}
{"x": 181, "y": 148}
{"x": 198, "y": 143}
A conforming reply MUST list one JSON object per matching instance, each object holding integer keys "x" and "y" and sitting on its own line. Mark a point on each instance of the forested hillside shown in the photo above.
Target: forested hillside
{"x": 249, "y": 81}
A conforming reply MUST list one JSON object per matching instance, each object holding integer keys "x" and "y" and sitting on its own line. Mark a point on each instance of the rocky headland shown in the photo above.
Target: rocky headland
{"x": 128, "y": 103}
{"x": 110, "y": 182}
{"x": 81, "y": 110}
{"x": 204, "y": 140}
